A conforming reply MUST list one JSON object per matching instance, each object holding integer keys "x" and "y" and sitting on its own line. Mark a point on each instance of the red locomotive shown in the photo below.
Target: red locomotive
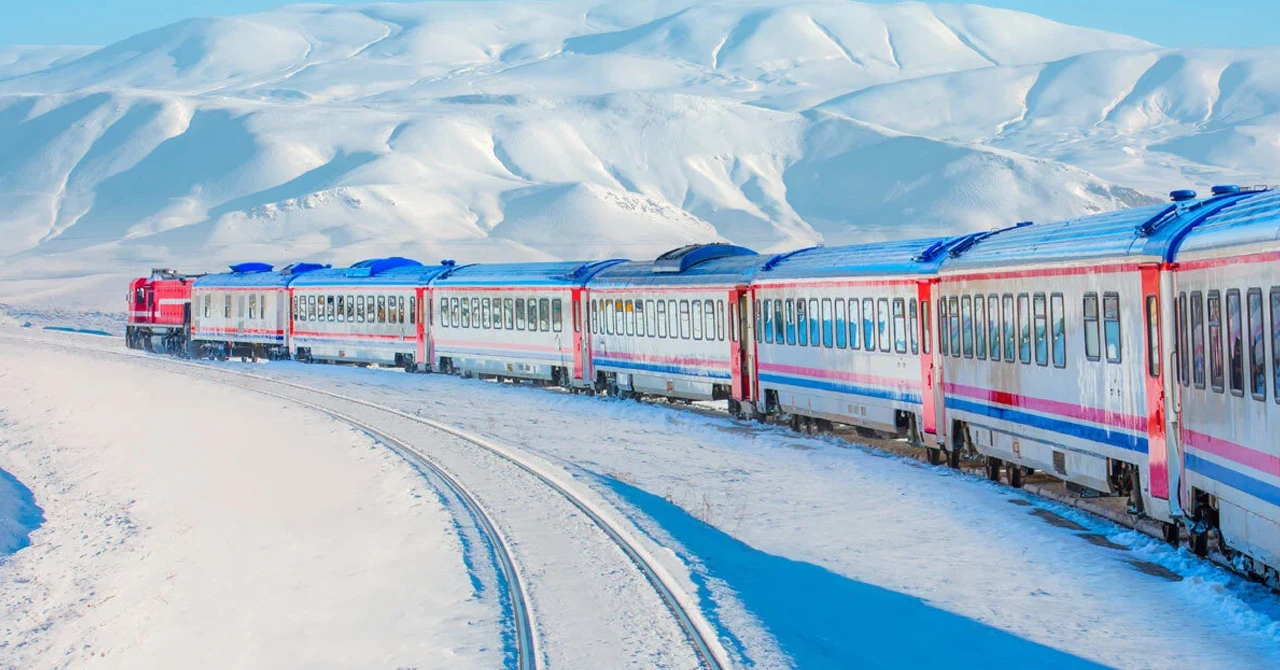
{"x": 160, "y": 312}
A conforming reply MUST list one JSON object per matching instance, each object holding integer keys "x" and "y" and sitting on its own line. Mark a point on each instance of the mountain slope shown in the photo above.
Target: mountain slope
{"x": 509, "y": 130}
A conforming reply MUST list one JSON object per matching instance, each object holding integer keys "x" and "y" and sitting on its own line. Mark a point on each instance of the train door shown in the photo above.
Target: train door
{"x": 741, "y": 338}
{"x": 931, "y": 387}
{"x": 422, "y": 312}
{"x": 1154, "y": 373}
{"x": 581, "y": 336}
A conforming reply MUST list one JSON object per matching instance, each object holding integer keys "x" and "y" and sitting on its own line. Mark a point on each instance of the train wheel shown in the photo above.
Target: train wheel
{"x": 1171, "y": 533}
{"x": 993, "y": 468}
{"x": 1199, "y": 543}
{"x": 1015, "y": 476}
{"x": 953, "y": 458}
{"x": 934, "y": 455}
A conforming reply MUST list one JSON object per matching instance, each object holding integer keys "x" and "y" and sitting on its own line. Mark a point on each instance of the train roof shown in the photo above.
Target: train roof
{"x": 547, "y": 274}
{"x": 257, "y": 275}
{"x": 393, "y": 271}
{"x": 697, "y": 264}
{"x": 1154, "y": 231}
{"x": 1246, "y": 221}
{"x": 904, "y": 257}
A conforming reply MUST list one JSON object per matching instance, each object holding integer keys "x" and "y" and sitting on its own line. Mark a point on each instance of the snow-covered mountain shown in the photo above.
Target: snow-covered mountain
{"x": 588, "y": 128}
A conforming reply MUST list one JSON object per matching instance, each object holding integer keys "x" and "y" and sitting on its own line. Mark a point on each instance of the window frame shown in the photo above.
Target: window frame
{"x": 1058, "y": 330}
{"x": 828, "y": 315}
{"x": 1217, "y": 364}
{"x": 899, "y": 314}
{"x": 1256, "y": 375}
{"x": 1024, "y": 328}
{"x": 840, "y": 322}
{"x": 1235, "y": 335}
{"x": 1040, "y": 329}
{"x": 966, "y": 326}
{"x": 1106, "y": 333}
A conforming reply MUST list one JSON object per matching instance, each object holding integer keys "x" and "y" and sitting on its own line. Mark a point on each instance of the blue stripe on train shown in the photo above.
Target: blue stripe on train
{"x": 1241, "y": 482}
{"x": 661, "y": 369}
{"x": 837, "y": 387}
{"x": 1120, "y": 440}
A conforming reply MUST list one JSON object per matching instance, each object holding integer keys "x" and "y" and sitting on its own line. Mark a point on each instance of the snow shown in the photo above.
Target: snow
{"x": 517, "y": 130}
{"x": 809, "y": 552}
{"x": 170, "y": 542}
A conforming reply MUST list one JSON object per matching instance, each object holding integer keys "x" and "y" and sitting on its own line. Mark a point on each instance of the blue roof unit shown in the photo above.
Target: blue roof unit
{"x": 1154, "y": 232}
{"x": 703, "y": 264}
{"x": 539, "y": 274}
{"x": 256, "y": 275}
{"x": 1251, "y": 220}
{"x": 394, "y": 271}
{"x": 904, "y": 257}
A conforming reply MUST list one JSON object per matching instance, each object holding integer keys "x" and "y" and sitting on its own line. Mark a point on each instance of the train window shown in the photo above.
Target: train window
{"x": 1235, "y": 342}
{"x": 1010, "y": 327}
{"x": 802, "y": 324}
{"x": 708, "y": 316}
{"x": 628, "y": 319}
{"x": 1058, "y": 320}
{"x": 1197, "y": 339}
{"x": 791, "y": 321}
{"x": 455, "y": 311}
{"x": 900, "y": 325}
{"x": 608, "y": 311}
{"x": 1111, "y": 325}
{"x": 594, "y": 326}
{"x": 718, "y": 318}
{"x": 330, "y": 307}
{"x": 342, "y": 308}
{"x": 240, "y": 307}
{"x": 311, "y": 307}
{"x": 532, "y": 306}
{"x": 993, "y": 326}
{"x": 577, "y": 317}
{"x": 980, "y": 327}
{"x": 953, "y": 317}
{"x": 444, "y": 307}
{"x": 828, "y": 324}
{"x": 944, "y": 328}
{"x": 370, "y": 313}
{"x": 1041, "y": 324}
{"x": 382, "y": 309}
{"x": 1217, "y": 377}
{"x": 557, "y": 315}
{"x": 884, "y": 325}
{"x": 477, "y": 314}
{"x": 400, "y": 307}
{"x": 253, "y": 306}
{"x": 966, "y": 325}
{"x": 926, "y": 327}
{"x": 544, "y": 314}
{"x": 1275, "y": 343}
{"x": 1180, "y": 340}
{"x": 351, "y": 308}
{"x": 1092, "y": 333}
{"x": 1257, "y": 346}
{"x": 208, "y": 305}
{"x": 650, "y": 319}
{"x": 841, "y": 325}
{"x": 855, "y": 322}
{"x": 914, "y": 327}
{"x": 496, "y": 313}
{"x": 869, "y": 324}
{"x": 1024, "y": 328}
{"x": 226, "y": 306}
{"x": 673, "y": 319}
{"x": 486, "y": 313}
{"x": 661, "y": 318}
{"x": 640, "y": 317}
{"x": 466, "y": 311}
{"x": 393, "y": 313}
{"x": 444, "y": 311}
{"x": 413, "y": 309}
{"x": 815, "y": 323}
{"x": 1153, "y": 336}
{"x": 684, "y": 320}
{"x": 733, "y": 322}
{"x": 779, "y": 324}
{"x": 764, "y": 321}
{"x": 508, "y": 314}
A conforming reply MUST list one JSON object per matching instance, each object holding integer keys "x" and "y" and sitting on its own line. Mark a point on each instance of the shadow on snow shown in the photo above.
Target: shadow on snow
{"x": 824, "y": 620}
{"x": 19, "y": 515}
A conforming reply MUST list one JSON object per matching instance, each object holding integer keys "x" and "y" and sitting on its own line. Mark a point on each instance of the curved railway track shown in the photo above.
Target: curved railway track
{"x": 688, "y": 616}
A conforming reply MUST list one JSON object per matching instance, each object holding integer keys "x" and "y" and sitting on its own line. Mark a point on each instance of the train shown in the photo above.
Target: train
{"x": 1133, "y": 353}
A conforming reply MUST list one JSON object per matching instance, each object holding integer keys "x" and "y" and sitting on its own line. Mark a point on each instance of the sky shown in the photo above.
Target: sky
{"x": 1174, "y": 23}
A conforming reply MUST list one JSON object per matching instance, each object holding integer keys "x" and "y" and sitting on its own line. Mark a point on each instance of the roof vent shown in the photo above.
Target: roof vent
{"x": 251, "y": 267}
{"x": 299, "y": 268}
{"x": 448, "y": 263}
{"x": 1226, "y": 189}
{"x": 1183, "y": 195}
{"x": 377, "y": 266}
{"x": 679, "y": 260}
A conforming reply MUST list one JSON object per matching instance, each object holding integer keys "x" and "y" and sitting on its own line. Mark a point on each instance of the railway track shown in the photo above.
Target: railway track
{"x": 699, "y": 633}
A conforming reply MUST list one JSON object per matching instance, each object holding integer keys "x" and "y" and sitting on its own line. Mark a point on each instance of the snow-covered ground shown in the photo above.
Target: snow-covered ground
{"x": 189, "y": 525}
{"x": 807, "y": 552}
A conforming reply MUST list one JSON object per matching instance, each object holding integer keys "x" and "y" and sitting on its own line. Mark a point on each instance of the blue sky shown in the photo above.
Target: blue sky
{"x": 1181, "y": 23}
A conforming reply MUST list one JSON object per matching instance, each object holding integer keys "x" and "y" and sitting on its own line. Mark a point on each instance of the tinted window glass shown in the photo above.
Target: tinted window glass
{"x": 1217, "y": 376}
{"x": 802, "y": 323}
{"x": 1058, "y": 320}
{"x": 980, "y": 327}
{"x": 899, "y": 325}
{"x": 1040, "y": 310}
{"x": 1024, "y": 328}
{"x": 868, "y": 324}
{"x": 966, "y": 325}
{"x": 1257, "y": 346}
{"x": 1197, "y": 339}
{"x": 1111, "y": 325}
{"x": 828, "y": 324}
{"x": 1235, "y": 342}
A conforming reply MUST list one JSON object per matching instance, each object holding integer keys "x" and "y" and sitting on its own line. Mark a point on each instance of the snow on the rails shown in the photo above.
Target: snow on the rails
{"x": 189, "y": 524}
{"x": 838, "y": 557}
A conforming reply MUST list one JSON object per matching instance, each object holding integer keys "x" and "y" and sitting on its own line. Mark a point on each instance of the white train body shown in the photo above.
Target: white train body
{"x": 1227, "y": 356}
{"x": 372, "y": 312}
{"x": 674, "y": 327}
{"x": 244, "y": 310}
